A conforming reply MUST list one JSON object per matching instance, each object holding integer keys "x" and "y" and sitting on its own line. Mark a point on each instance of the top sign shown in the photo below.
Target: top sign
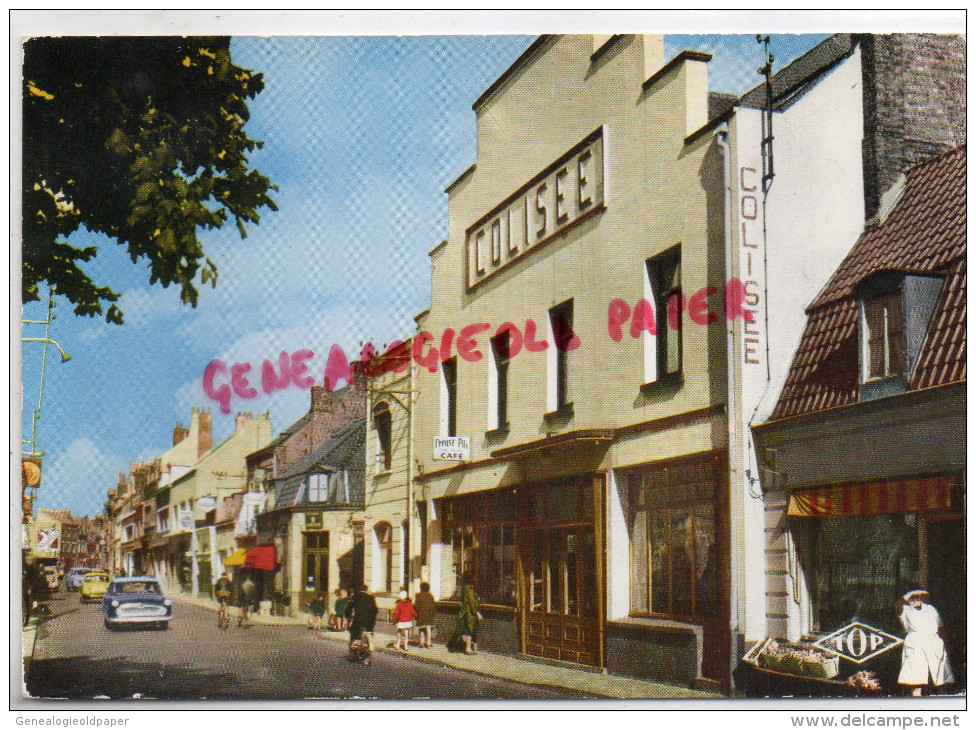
{"x": 207, "y": 502}
{"x": 563, "y": 194}
{"x": 858, "y": 642}
{"x": 452, "y": 448}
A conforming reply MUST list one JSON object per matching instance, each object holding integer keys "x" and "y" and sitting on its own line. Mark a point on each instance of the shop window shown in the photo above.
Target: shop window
{"x": 858, "y": 566}
{"x": 383, "y": 423}
{"x": 479, "y": 533}
{"x": 662, "y": 350}
{"x": 449, "y": 397}
{"x": 673, "y": 526}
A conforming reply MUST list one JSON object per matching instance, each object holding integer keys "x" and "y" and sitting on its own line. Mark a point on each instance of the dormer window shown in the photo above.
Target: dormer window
{"x": 884, "y": 342}
{"x": 894, "y": 314}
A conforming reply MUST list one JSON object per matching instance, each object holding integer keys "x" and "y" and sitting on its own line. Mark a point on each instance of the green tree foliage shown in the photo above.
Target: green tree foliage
{"x": 141, "y": 139}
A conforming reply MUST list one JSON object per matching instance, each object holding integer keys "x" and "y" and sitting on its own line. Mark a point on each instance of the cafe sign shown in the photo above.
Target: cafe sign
{"x": 452, "y": 448}
{"x": 858, "y": 642}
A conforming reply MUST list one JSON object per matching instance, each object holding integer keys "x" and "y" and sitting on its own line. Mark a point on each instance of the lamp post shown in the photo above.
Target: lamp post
{"x": 29, "y": 451}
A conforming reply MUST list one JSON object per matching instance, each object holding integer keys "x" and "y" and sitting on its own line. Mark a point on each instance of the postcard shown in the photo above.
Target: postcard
{"x": 483, "y": 356}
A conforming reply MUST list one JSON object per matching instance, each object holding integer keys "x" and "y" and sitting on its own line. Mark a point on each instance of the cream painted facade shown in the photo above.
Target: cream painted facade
{"x": 386, "y": 526}
{"x": 216, "y": 475}
{"x": 595, "y": 135}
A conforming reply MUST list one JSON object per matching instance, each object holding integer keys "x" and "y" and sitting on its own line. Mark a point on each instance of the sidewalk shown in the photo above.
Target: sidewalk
{"x": 501, "y": 666}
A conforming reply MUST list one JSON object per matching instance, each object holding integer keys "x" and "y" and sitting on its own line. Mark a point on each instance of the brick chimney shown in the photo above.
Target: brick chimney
{"x": 205, "y": 437}
{"x": 179, "y": 433}
{"x": 321, "y": 399}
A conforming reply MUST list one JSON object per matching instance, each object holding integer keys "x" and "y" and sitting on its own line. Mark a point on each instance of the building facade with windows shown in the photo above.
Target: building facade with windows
{"x": 864, "y": 457}
{"x": 576, "y": 339}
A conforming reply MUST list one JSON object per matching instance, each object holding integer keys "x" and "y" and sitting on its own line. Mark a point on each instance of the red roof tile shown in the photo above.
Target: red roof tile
{"x": 925, "y": 233}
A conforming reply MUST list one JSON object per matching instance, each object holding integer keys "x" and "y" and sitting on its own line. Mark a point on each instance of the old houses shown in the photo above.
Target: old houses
{"x": 678, "y": 344}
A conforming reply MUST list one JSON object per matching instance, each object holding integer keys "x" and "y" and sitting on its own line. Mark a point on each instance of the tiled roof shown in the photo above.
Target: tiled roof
{"x": 925, "y": 233}
{"x": 345, "y": 451}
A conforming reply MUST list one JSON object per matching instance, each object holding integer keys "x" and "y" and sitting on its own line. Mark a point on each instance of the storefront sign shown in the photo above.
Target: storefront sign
{"x": 563, "y": 194}
{"x": 186, "y": 521}
{"x": 452, "y": 448}
{"x": 858, "y": 642}
{"x": 207, "y": 503}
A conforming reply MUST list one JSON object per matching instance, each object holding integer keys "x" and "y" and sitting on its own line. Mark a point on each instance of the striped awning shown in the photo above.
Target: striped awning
{"x": 920, "y": 494}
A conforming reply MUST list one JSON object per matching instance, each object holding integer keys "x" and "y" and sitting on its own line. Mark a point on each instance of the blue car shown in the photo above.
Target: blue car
{"x": 75, "y": 576}
{"x": 136, "y": 600}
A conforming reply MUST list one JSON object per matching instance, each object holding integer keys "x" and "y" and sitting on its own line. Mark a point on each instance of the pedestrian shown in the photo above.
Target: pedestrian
{"x": 316, "y": 610}
{"x": 426, "y": 613}
{"x": 338, "y": 620}
{"x": 248, "y": 591}
{"x": 362, "y": 610}
{"x": 924, "y": 656}
{"x": 469, "y": 615}
{"x": 402, "y": 617}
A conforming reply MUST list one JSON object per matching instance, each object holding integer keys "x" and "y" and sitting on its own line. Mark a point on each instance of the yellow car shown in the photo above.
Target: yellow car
{"x": 95, "y": 585}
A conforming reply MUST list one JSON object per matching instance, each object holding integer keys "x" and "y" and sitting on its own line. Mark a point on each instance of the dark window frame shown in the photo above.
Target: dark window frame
{"x": 383, "y": 423}
{"x": 501, "y": 347}
{"x": 658, "y": 270}
{"x": 561, "y": 323}
{"x": 449, "y": 370}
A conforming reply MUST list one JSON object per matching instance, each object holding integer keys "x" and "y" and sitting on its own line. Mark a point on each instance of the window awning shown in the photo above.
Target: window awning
{"x": 236, "y": 558}
{"x": 921, "y": 494}
{"x": 261, "y": 557}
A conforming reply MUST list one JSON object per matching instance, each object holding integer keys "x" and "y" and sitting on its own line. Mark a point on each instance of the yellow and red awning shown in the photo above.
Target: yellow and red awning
{"x": 920, "y": 494}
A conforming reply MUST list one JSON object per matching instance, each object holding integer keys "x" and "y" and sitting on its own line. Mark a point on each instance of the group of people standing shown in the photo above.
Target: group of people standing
{"x": 357, "y": 614}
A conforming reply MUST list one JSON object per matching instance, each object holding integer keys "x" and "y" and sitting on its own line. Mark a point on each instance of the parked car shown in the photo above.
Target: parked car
{"x": 136, "y": 600}
{"x": 75, "y": 576}
{"x": 95, "y": 585}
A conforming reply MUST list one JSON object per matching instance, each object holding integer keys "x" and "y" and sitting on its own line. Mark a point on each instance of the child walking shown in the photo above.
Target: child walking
{"x": 316, "y": 610}
{"x": 403, "y": 615}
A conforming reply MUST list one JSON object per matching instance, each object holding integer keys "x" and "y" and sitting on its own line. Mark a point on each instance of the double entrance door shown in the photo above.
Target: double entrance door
{"x": 560, "y": 570}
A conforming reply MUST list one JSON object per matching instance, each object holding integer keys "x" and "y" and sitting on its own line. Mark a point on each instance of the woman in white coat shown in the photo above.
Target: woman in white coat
{"x": 924, "y": 655}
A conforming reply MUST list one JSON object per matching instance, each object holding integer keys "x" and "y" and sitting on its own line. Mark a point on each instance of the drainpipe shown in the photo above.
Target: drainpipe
{"x": 722, "y": 140}
{"x": 411, "y": 533}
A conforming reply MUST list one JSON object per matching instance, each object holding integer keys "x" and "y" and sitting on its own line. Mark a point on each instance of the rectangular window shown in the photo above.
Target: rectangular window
{"x": 674, "y": 554}
{"x": 318, "y": 487}
{"x": 884, "y": 355}
{"x": 664, "y": 278}
{"x": 383, "y": 423}
{"x": 501, "y": 349}
{"x": 561, "y": 336}
{"x": 449, "y": 397}
{"x": 479, "y": 533}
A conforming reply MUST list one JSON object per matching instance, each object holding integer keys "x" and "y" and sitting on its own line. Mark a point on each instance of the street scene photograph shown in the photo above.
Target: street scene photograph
{"x": 430, "y": 358}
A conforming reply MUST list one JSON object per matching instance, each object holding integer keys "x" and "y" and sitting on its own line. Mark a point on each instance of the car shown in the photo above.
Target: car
{"x": 95, "y": 585}
{"x": 136, "y": 600}
{"x": 75, "y": 576}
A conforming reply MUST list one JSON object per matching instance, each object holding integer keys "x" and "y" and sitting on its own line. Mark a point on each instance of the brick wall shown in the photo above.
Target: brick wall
{"x": 914, "y": 104}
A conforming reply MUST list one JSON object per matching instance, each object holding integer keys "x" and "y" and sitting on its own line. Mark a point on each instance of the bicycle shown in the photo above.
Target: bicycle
{"x": 245, "y": 614}
{"x": 223, "y": 616}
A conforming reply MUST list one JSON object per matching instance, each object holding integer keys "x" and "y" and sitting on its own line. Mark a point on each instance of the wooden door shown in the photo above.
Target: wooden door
{"x": 315, "y": 562}
{"x": 561, "y": 583}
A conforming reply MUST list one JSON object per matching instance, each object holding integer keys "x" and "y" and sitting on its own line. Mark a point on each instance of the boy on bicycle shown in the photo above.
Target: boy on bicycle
{"x": 223, "y": 595}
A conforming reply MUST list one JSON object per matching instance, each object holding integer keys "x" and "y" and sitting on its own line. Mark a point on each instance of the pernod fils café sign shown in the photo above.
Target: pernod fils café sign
{"x": 452, "y": 448}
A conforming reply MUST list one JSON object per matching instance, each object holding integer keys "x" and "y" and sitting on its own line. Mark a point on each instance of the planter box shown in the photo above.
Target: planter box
{"x": 827, "y": 668}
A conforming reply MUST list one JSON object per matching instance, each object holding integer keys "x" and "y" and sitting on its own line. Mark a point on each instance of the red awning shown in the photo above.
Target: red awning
{"x": 921, "y": 494}
{"x": 261, "y": 557}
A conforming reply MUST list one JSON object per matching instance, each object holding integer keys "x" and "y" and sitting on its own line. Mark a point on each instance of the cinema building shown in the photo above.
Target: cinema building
{"x": 601, "y": 338}
{"x": 592, "y": 510}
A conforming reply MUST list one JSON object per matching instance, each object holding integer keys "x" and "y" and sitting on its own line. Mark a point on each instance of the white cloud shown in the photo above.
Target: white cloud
{"x": 78, "y": 478}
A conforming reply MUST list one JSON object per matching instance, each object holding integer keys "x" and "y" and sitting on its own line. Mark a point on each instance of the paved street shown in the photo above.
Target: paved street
{"x": 78, "y": 658}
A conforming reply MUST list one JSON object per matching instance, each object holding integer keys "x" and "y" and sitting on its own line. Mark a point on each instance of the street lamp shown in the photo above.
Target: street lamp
{"x": 46, "y": 339}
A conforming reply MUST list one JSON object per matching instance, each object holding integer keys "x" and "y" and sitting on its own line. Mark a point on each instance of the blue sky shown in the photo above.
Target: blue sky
{"x": 362, "y": 134}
